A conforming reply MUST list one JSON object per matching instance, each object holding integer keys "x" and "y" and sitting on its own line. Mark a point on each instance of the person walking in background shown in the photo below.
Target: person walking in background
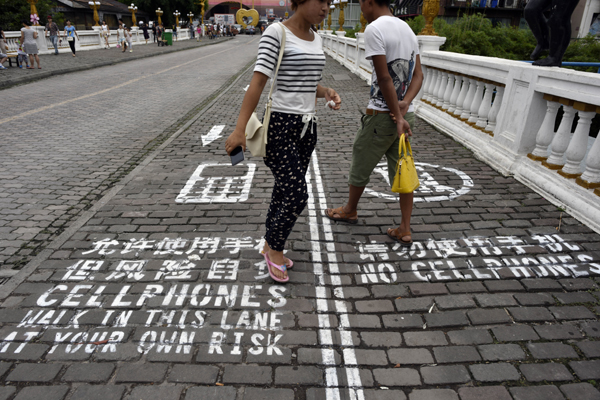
{"x": 22, "y": 58}
{"x": 105, "y": 34}
{"x": 28, "y": 37}
{"x": 128, "y": 39}
{"x": 393, "y": 50}
{"x": 52, "y": 32}
{"x": 121, "y": 37}
{"x": 292, "y": 127}
{"x": 175, "y": 32}
{"x": 71, "y": 34}
{"x": 145, "y": 30}
{"x": 3, "y": 49}
{"x": 154, "y": 33}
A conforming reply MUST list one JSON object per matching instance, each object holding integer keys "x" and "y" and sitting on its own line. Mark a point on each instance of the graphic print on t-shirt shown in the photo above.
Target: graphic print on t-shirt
{"x": 401, "y": 72}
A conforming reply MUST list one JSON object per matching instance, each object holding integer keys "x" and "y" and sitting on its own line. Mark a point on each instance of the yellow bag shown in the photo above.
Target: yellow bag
{"x": 406, "y": 179}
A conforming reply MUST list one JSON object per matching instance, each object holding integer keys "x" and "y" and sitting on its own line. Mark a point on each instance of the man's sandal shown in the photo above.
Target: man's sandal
{"x": 397, "y": 236}
{"x": 338, "y": 214}
{"x": 271, "y": 264}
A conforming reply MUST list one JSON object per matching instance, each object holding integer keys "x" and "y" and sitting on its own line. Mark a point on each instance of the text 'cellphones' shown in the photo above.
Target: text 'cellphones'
{"x": 237, "y": 155}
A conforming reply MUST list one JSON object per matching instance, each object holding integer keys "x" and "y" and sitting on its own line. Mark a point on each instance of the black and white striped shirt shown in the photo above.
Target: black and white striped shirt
{"x": 299, "y": 73}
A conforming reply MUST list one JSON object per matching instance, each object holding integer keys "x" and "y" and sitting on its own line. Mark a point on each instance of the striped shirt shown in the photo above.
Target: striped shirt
{"x": 300, "y": 71}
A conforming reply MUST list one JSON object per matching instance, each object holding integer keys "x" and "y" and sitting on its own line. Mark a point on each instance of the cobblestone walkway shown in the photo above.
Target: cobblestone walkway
{"x": 69, "y": 139}
{"x": 162, "y": 294}
{"x": 65, "y": 63}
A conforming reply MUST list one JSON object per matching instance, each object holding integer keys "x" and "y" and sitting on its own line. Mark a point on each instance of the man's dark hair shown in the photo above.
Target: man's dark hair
{"x": 382, "y": 2}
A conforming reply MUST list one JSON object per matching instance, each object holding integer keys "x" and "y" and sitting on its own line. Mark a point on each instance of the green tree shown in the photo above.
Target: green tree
{"x": 13, "y": 11}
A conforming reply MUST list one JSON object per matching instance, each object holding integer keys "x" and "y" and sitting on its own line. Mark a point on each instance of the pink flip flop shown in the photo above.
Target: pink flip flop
{"x": 271, "y": 264}
{"x": 291, "y": 264}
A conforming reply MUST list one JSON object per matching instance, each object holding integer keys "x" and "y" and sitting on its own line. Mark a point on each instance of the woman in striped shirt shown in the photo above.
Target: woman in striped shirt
{"x": 292, "y": 127}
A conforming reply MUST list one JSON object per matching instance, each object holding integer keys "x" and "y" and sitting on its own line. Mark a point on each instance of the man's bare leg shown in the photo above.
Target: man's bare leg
{"x": 406, "y": 207}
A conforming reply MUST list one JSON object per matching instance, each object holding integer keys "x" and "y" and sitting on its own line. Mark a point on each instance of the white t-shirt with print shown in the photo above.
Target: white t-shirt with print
{"x": 300, "y": 71}
{"x": 392, "y": 37}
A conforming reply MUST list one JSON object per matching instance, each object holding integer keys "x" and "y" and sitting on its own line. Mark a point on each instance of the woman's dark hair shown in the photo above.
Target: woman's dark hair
{"x": 49, "y": 17}
{"x": 25, "y": 22}
{"x": 296, "y": 3}
{"x": 67, "y": 20}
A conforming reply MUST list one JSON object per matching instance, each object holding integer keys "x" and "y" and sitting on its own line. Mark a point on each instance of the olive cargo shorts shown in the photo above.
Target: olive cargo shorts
{"x": 376, "y": 137}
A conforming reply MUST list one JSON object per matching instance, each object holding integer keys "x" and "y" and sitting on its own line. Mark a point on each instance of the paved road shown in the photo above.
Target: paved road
{"x": 162, "y": 294}
{"x": 67, "y": 139}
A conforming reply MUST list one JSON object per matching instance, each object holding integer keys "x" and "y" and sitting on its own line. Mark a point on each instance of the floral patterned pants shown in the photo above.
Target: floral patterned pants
{"x": 288, "y": 157}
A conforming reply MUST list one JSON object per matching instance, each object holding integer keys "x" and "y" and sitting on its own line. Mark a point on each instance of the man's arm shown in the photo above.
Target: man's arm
{"x": 413, "y": 88}
{"x": 386, "y": 85}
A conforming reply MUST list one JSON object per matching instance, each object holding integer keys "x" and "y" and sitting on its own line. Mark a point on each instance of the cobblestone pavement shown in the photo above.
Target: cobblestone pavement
{"x": 64, "y": 63}
{"x": 68, "y": 139}
{"x": 162, "y": 294}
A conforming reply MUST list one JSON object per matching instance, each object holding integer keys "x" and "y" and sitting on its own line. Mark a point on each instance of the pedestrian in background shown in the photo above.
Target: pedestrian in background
{"x": 145, "y": 30}
{"x": 121, "y": 37}
{"x": 70, "y": 34}
{"x": 154, "y": 33}
{"x": 105, "y": 34}
{"x": 28, "y": 37}
{"x": 52, "y": 32}
{"x": 175, "y": 31}
{"x": 128, "y": 39}
{"x": 22, "y": 58}
{"x": 3, "y": 49}
{"x": 292, "y": 130}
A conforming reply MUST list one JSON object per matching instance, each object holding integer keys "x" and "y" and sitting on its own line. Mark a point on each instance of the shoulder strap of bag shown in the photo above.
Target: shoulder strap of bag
{"x": 281, "y": 48}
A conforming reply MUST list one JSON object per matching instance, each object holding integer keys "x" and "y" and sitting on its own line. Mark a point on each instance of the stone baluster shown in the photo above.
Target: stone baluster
{"x": 427, "y": 83}
{"x": 495, "y": 110}
{"x": 477, "y": 98}
{"x": 454, "y": 96}
{"x": 442, "y": 89}
{"x": 562, "y": 138}
{"x": 486, "y": 105}
{"x": 461, "y": 97}
{"x": 578, "y": 144}
{"x": 546, "y": 132}
{"x": 436, "y": 86}
{"x": 591, "y": 176}
{"x": 469, "y": 99}
{"x": 448, "y": 91}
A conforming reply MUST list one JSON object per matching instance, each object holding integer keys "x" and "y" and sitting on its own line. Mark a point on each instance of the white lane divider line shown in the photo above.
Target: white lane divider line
{"x": 325, "y": 332}
{"x": 212, "y": 135}
{"x": 349, "y": 355}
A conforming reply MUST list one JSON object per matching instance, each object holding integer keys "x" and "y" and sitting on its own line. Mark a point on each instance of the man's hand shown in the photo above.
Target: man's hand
{"x": 236, "y": 139}
{"x": 403, "y": 127}
{"x": 403, "y": 107}
{"x": 331, "y": 94}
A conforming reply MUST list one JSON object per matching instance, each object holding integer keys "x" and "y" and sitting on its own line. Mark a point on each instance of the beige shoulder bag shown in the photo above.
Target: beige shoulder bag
{"x": 256, "y": 131}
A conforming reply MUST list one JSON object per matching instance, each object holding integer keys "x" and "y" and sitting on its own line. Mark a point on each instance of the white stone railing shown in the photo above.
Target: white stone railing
{"x": 505, "y": 112}
{"x": 88, "y": 40}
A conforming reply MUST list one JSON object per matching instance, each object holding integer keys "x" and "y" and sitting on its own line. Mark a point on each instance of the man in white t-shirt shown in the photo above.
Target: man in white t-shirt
{"x": 393, "y": 50}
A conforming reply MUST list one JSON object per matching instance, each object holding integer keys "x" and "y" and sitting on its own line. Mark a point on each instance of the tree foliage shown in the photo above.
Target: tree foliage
{"x": 476, "y": 35}
{"x": 13, "y": 11}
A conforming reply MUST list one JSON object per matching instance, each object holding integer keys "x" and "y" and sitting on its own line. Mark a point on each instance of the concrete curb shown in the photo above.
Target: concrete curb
{"x": 44, "y": 75}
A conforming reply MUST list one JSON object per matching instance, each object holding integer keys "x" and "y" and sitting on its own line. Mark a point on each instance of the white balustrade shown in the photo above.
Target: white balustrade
{"x": 591, "y": 176}
{"x": 579, "y": 142}
{"x": 477, "y": 98}
{"x": 469, "y": 99}
{"x": 486, "y": 105}
{"x": 454, "y": 96}
{"x": 545, "y": 134}
{"x": 448, "y": 91}
{"x": 562, "y": 138}
{"x": 493, "y": 114}
{"x": 517, "y": 104}
{"x": 88, "y": 40}
{"x": 461, "y": 97}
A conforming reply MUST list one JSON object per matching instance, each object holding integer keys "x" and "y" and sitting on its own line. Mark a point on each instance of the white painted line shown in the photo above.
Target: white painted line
{"x": 212, "y": 135}
{"x": 349, "y": 355}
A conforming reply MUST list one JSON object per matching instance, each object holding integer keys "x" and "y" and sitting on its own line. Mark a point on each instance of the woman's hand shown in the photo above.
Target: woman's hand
{"x": 236, "y": 139}
{"x": 331, "y": 94}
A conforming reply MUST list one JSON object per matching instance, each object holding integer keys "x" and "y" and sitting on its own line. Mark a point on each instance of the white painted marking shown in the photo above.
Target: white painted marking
{"x": 212, "y": 135}
{"x": 211, "y": 189}
{"x": 429, "y": 186}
